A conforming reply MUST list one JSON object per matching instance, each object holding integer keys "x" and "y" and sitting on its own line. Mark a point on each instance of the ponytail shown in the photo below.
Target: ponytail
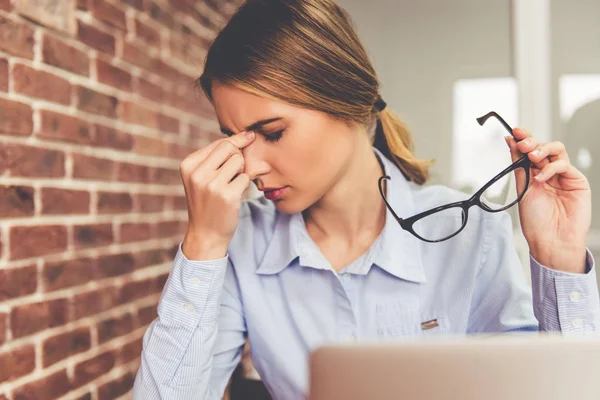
{"x": 394, "y": 140}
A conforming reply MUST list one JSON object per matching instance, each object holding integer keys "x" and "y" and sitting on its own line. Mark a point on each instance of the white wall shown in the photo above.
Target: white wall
{"x": 420, "y": 48}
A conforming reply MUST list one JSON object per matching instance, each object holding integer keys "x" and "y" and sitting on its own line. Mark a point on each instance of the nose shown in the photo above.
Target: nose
{"x": 255, "y": 164}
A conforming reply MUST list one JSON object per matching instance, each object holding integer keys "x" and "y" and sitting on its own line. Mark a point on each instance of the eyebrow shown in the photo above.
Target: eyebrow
{"x": 252, "y": 127}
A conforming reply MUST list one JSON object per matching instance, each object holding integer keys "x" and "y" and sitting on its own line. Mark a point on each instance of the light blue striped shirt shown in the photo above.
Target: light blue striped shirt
{"x": 277, "y": 287}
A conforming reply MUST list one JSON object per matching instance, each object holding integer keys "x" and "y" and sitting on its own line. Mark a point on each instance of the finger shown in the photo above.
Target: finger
{"x": 553, "y": 150}
{"x": 520, "y": 134}
{"x": 528, "y": 144}
{"x": 240, "y": 184}
{"x": 230, "y": 168}
{"x": 200, "y": 155}
{"x": 559, "y": 167}
{"x": 225, "y": 150}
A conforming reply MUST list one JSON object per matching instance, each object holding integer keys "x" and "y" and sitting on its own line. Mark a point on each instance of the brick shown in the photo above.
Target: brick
{"x": 147, "y": 314}
{"x": 160, "y": 281}
{"x": 150, "y": 146}
{"x": 110, "y": 137}
{"x": 15, "y": 118}
{"x": 151, "y": 203}
{"x": 114, "y": 327}
{"x": 65, "y": 274}
{"x": 115, "y": 388}
{"x": 113, "y": 76}
{"x": 82, "y": 5}
{"x": 139, "y": 4}
{"x": 64, "y": 201}
{"x": 150, "y": 91}
{"x": 109, "y": 13}
{"x": 17, "y": 363}
{"x": 61, "y": 55}
{"x": 35, "y": 241}
{"x": 35, "y": 317}
{"x": 92, "y": 168}
{"x": 96, "y": 103}
{"x": 133, "y": 173}
{"x": 131, "y": 351}
{"x": 166, "y": 71}
{"x": 85, "y": 236}
{"x": 17, "y": 282}
{"x": 94, "y": 302}
{"x": 159, "y": 15}
{"x": 16, "y": 201}
{"x": 3, "y": 319}
{"x": 88, "y": 370}
{"x": 95, "y": 38}
{"x": 137, "y": 289}
{"x": 146, "y": 33}
{"x": 65, "y": 128}
{"x": 133, "y": 113}
{"x": 183, "y": 103}
{"x": 135, "y": 232}
{"x": 150, "y": 258}
{"x": 87, "y": 396}
{"x": 31, "y": 161}
{"x": 115, "y": 265}
{"x": 114, "y": 203}
{"x": 168, "y": 124}
{"x": 166, "y": 176}
{"x": 47, "y": 86}
{"x": 179, "y": 203}
{"x": 168, "y": 229}
{"x": 3, "y": 75}
{"x": 183, "y": 6}
{"x": 16, "y": 38}
{"x": 50, "y": 387}
{"x": 65, "y": 345}
{"x": 179, "y": 151}
{"x": 140, "y": 58}
{"x": 5, "y": 5}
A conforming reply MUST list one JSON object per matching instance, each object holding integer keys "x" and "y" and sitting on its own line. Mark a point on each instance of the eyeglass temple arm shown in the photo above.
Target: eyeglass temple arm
{"x": 389, "y": 207}
{"x": 481, "y": 120}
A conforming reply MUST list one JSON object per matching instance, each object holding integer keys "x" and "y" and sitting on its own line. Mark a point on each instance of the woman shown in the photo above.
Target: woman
{"x": 321, "y": 259}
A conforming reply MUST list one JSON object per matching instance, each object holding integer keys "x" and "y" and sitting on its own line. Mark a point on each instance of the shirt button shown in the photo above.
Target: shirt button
{"x": 195, "y": 281}
{"x": 189, "y": 307}
{"x": 346, "y": 277}
{"x": 577, "y": 323}
{"x": 575, "y": 296}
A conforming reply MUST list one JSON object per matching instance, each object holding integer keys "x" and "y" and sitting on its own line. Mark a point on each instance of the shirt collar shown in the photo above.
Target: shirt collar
{"x": 398, "y": 253}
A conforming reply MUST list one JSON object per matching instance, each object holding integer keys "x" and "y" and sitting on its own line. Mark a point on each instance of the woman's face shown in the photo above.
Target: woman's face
{"x": 303, "y": 152}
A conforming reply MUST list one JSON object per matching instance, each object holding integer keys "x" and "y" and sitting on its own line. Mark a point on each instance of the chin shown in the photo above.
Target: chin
{"x": 288, "y": 206}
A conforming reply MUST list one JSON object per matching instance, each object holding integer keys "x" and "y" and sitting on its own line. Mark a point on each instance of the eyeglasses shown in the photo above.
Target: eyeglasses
{"x": 444, "y": 222}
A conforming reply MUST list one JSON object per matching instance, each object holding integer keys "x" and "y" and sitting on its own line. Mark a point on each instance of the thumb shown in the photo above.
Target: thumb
{"x": 242, "y": 139}
{"x": 515, "y": 154}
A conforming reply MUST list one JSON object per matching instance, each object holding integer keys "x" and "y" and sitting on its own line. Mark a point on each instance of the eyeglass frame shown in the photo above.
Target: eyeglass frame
{"x": 475, "y": 200}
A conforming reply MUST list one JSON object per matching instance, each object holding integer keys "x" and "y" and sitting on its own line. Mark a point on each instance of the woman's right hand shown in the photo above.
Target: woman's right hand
{"x": 214, "y": 182}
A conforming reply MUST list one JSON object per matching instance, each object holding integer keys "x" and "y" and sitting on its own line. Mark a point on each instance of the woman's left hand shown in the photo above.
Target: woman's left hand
{"x": 556, "y": 210}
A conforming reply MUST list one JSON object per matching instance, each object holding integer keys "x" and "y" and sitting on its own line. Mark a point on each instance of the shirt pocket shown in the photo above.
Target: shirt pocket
{"x": 400, "y": 319}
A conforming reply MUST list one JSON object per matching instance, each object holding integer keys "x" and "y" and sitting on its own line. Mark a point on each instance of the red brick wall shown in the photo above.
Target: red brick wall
{"x": 97, "y": 109}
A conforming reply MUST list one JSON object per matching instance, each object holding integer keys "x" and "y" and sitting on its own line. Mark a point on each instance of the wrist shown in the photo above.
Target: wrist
{"x": 561, "y": 257}
{"x": 203, "y": 248}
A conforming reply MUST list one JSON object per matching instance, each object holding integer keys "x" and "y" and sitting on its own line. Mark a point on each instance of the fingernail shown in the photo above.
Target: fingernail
{"x": 536, "y": 152}
{"x": 539, "y": 176}
{"x": 249, "y": 134}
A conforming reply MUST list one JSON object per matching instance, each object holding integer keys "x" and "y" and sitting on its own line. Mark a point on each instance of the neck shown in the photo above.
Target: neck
{"x": 352, "y": 211}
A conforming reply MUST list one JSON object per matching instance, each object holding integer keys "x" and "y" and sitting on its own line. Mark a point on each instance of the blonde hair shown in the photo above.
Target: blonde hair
{"x": 307, "y": 53}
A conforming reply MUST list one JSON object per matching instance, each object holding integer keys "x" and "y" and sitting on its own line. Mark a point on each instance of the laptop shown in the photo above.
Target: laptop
{"x": 544, "y": 367}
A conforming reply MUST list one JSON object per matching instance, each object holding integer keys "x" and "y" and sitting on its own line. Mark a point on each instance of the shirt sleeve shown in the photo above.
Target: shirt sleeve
{"x": 192, "y": 348}
{"x": 566, "y": 302}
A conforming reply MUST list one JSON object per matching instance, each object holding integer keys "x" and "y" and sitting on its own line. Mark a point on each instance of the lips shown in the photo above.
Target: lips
{"x": 274, "y": 194}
